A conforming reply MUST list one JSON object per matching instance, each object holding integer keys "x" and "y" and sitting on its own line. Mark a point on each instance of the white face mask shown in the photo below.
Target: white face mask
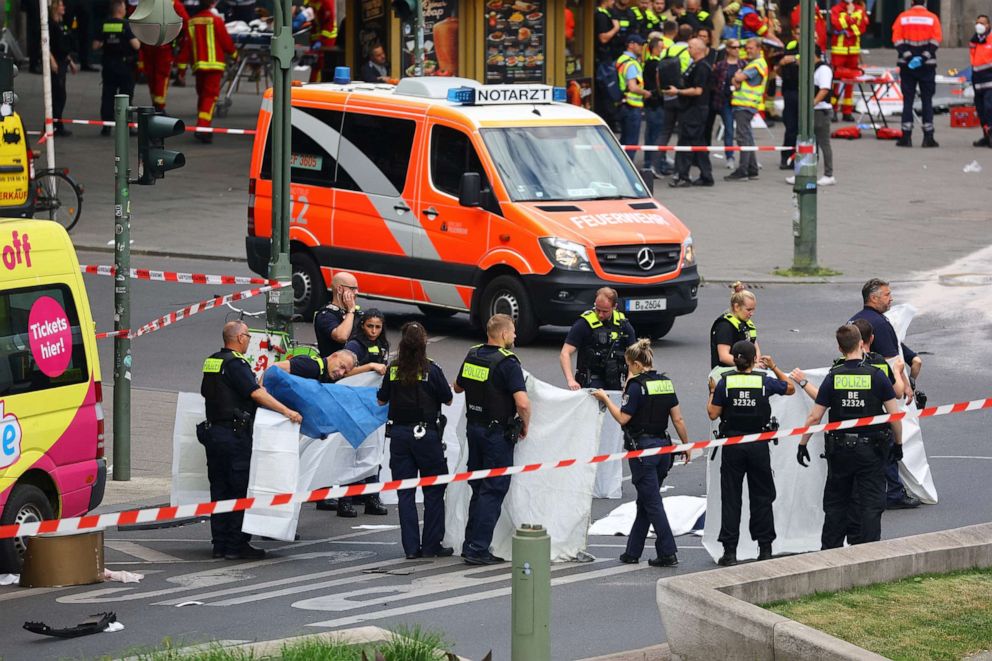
{"x": 980, "y": 28}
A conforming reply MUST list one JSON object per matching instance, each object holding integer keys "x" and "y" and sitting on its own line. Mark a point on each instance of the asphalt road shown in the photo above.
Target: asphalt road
{"x": 338, "y": 576}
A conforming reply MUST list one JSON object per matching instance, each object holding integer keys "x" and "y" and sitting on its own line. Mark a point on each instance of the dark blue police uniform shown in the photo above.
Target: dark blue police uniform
{"x": 600, "y": 347}
{"x": 415, "y": 448}
{"x": 490, "y": 376}
{"x": 309, "y": 367}
{"x": 369, "y": 352}
{"x": 855, "y": 459}
{"x": 746, "y": 409}
{"x": 227, "y": 385}
{"x": 118, "y": 65}
{"x": 325, "y": 321}
{"x": 649, "y": 399}
{"x": 886, "y": 344}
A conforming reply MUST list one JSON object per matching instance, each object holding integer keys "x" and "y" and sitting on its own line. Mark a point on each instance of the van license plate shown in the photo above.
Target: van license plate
{"x": 646, "y": 304}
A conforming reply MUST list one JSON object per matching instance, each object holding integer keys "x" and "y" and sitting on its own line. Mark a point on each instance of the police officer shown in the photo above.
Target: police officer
{"x": 120, "y": 49}
{"x": 649, "y": 402}
{"x": 333, "y": 324}
{"x": 856, "y": 458}
{"x": 498, "y": 413}
{"x": 232, "y": 395}
{"x": 369, "y": 343}
{"x": 877, "y": 297}
{"x": 733, "y": 326}
{"x": 600, "y": 336}
{"x": 415, "y": 388}
{"x": 916, "y": 35}
{"x": 742, "y": 402}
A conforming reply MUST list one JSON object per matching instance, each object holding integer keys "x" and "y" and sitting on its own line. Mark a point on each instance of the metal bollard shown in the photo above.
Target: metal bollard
{"x": 531, "y": 594}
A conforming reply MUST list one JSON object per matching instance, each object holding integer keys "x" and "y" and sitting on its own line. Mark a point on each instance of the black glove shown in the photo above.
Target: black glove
{"x": 802, "y": 456}
{"x": 896, "y": 453}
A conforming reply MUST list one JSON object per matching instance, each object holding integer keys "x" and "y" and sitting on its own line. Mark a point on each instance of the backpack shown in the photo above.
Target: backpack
{"x": 609, "y": 81}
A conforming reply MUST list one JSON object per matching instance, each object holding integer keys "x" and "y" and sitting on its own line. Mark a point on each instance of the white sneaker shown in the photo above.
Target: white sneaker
{"x": 731, "y": 162}
{"x": 790, "y": 180}
{"x": 826, "y": 181}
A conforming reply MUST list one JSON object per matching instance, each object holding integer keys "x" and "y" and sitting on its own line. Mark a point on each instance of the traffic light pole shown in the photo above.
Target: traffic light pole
{"x": 279, "y": 309}
{"x": 122, "y": 293}
{"x": 804, "y": 222}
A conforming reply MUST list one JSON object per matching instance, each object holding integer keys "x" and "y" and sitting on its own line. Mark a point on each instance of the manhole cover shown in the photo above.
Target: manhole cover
{"x": 965, "y": 279}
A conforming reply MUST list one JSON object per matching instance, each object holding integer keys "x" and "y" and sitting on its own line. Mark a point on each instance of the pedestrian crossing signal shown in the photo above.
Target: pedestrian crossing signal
{"x": 154, "y": 160}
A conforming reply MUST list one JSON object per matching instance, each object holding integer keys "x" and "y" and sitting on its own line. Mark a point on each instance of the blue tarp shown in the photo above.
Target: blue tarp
{"x": 328, "y": 408}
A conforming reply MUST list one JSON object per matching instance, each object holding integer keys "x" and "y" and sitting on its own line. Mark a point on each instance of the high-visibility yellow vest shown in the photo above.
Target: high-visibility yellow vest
{"x": 750, "y": 95}
{"x": 632, "y": 99}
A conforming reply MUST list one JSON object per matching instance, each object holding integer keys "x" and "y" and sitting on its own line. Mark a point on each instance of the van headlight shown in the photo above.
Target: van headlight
{"x": 566, "y": 254}
{"x": 688, "y": 253}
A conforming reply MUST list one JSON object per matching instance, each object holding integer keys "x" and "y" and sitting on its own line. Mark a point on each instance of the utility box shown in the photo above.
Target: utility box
{"x": 531, "y": 594}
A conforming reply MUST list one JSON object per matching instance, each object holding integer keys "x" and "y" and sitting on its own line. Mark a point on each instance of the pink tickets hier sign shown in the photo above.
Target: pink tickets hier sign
{"x": 49, "y": 336}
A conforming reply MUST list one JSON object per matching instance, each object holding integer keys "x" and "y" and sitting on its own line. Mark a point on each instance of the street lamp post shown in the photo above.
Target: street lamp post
{"x": 804, "y": 222}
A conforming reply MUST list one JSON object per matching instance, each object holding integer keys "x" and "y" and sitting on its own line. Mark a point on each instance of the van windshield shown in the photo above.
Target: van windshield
{"x": 545, "y": 163}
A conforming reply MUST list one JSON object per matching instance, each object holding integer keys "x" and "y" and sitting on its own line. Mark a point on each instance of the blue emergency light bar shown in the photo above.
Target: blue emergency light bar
{"x": 491, "y": 95}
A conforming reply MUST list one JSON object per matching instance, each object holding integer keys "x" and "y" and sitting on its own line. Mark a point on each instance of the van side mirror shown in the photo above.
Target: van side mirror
{"x": 470, "y": 190}
{"x": 648, "y": 176}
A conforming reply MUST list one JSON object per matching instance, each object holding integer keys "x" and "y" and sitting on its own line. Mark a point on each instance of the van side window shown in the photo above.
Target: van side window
{"x": 453, "y": 154}
{"x": 18, "y": 371}
{"x": 313, "y": 159}
{"x": 375, "y": 153}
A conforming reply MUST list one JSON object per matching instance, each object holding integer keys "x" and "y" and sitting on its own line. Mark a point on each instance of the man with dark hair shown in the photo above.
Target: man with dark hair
{"x": 877, "y": 297}
{"x": 855, "y": 458}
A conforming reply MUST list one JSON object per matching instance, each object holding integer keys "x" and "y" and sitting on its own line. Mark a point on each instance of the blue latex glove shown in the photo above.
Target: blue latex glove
{"x": 316, "y": 45}
{"x": 916, "y": 62}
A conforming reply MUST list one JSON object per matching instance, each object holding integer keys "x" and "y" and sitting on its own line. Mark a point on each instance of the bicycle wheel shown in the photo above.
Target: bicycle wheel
{"x": 57, "y": 198}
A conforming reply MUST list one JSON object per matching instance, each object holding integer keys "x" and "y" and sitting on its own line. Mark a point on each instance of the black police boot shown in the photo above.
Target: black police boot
{"x": 246, "y": 552}
{"x": 981, "y": 142}
{"x": 764, "y": 551}
{"x": 665, "y": 561}
{"x": 906, "y": 140}
{"x": 373, "y": 505}
{"x": 628, "y": 559}
{"x": 729, "y": 557}
{"x": 346, "y": 509}
{"x": 928, "y": 140}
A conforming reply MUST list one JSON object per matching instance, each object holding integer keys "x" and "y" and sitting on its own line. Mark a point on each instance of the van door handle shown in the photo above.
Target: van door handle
{"x": 400, "y": 208}
{"x": 431, "y": 213}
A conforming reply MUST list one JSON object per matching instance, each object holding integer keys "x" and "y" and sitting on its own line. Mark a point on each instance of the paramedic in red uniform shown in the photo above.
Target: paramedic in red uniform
{"x": 849, "y": 21}
{"x": 916, "y": 36}
{"x": 323, "y": 34}
{"x": 209, "y": 44}
{"x": 156, "y": 62}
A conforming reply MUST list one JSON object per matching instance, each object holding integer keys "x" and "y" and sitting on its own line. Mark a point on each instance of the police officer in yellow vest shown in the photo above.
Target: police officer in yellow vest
{"x": 600, "y": 336}
{"x": 747, "y": 99}
{"x": 232, "y": 395}
{"x": 695, "y": 16}
{"x": 732, "y": 326}
{"x": 632, "y": 83}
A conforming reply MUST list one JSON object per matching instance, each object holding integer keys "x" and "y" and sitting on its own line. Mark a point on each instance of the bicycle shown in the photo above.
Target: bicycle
{"x": 57, "y": 197}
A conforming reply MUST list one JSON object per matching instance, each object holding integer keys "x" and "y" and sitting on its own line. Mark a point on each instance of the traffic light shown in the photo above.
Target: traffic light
{"x": 406, "y": 10}
{"x": 155, "y": 22}
{"x": 154, "y": 160}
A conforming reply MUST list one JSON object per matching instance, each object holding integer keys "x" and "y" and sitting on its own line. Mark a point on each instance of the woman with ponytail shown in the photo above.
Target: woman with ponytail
{"x": 649, "y": 402}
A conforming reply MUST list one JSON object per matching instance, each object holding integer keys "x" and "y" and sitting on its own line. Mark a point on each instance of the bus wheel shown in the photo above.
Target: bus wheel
{"x": 660, "y": 329}
{"x": 308, "y": 285}
{"x": 27, "y": 504}
{"x": 506, "y": 295}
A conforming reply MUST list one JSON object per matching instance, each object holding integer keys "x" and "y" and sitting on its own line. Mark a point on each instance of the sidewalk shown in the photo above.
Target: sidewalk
{"x": 895, "y": 211}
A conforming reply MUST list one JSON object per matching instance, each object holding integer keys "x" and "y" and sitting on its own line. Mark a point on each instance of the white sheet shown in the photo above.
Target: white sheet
{"x": 682, "y": 512}
{"x": 609, "y": 474}
{"x": 798, "y": 507}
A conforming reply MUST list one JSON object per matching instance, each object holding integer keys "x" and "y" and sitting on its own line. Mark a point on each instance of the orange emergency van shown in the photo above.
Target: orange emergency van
{"x": 51, "y": 399}
{"x": 459, "y": 197}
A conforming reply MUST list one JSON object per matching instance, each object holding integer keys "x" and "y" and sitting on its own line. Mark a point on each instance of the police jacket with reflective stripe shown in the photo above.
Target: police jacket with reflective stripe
{"x": 658, "y": 400}
{"x": 412, "y": 403}
{"x": 747, "y": 409}
{"x": 484, "y": 401}
{"x": 852, "y": 396}
{"x": 222, "y": 401}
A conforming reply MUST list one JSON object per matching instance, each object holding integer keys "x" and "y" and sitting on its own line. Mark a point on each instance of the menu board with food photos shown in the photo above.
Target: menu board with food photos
{"x": 515, "y": 41}
{"x": 440, "y": 39}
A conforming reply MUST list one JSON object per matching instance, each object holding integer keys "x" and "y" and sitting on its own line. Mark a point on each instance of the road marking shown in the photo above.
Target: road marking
{"x": 956, "y": 456}
{"x": 465, "y": 599}
{"x": 141, "y": 552}
{"x": 623, "y": 546}
{"x": 368, "y": 543}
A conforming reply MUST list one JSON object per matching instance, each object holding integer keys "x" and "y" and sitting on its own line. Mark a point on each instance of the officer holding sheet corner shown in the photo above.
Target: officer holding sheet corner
{"x": 232, "y": 395}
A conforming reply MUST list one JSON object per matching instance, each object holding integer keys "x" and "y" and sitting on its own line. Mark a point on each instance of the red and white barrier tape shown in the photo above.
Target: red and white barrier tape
{"x": 802, "y": 149}
{"x": 173, "y": 276}
{"x": 189, "y": 129}
{"x": 153, "y": 514}
{"x": 190, "y": 310}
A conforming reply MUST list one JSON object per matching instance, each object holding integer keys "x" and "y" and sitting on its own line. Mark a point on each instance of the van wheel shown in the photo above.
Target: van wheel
{"x": 27, "y": 504}
{"x": 432, "y": 312}
{"x": 308, "y": 285}
{"x": 506, "y": 295}
{"x": 661, "y": 328}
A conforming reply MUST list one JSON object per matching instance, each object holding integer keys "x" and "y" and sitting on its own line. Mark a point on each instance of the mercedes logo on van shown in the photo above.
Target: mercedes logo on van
{"x": 645, "y": 259}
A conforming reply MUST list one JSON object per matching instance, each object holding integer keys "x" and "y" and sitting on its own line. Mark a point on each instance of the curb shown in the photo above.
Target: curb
{"x": 154, "y": 252}
{"x": 652, "y": 653}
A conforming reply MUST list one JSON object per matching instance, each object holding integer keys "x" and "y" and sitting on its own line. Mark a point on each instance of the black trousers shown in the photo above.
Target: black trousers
{"x": 790, "y": 117}
{"x": 117, "y": 78}
{"x": 754, "y": 461}
{"x": 859, "y": 470}
{"x": 647, "y": 475}
{"x": 413, "y": 457}
{"x": 672, "y": 117}
{"x": 228, "y": 462}
{"x": 692, "y": 132}
{"x": 58, "y": 90}
{"x": 909, "y": 80}
{"x": 487, "y": 448}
